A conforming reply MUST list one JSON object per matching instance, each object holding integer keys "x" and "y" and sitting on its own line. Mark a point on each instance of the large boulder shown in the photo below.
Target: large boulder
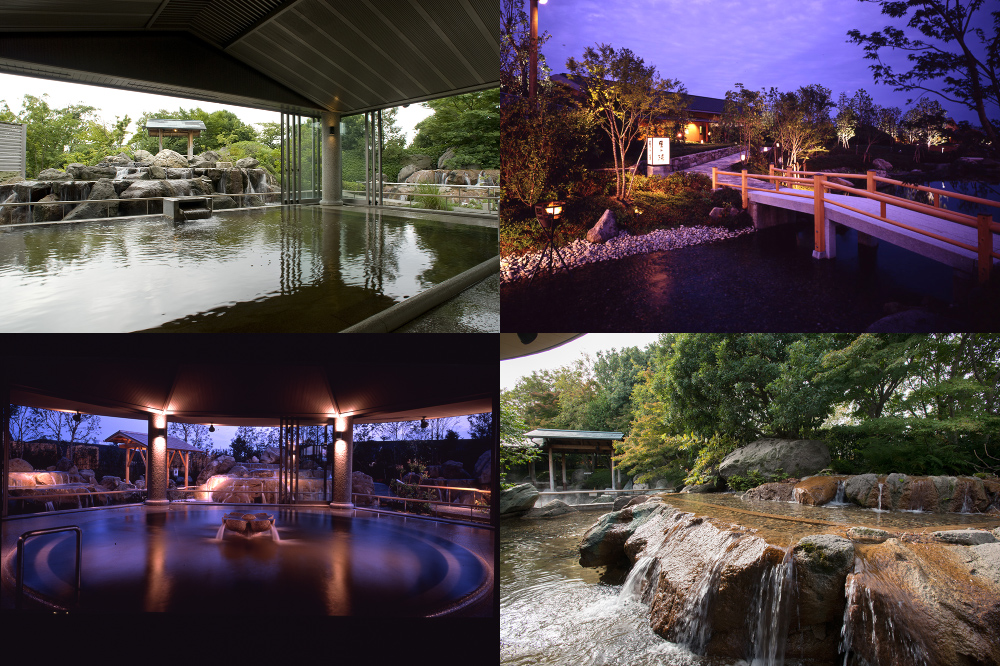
{"x": 270, "y": 455}
{"x": 405, "y": 173}
{"x": 247, "y": 163}
{"x": 518, "y": 500}
{"x": 822, "y": 564}
{"x": 142, "y": 189}
{"x": 923, "y": 603}
{"x": 881, "y": 165}
{"x": 857, "y": 489}
{"x": 774, "y": 492}
{"x": 362, "y": 483}
{"x": 95, "y": 207}
{"x": 797, "y": 457}
{"x": 239, "y": 471}
{"x": 224, "y": 464}
{"x": 422, "y": 176}
{"x": 816, "y": 490}
{"x": 84, "y": 172}
{"x": 550, "y": 510}
{"x": 604, "y": 230}
{"x": 143, "y": 156}
{"x": 46, "y": 210}
{"x": 452, "y": 469}
{"x": 169, "y": 159}
{"x": 19, "y": 465}
{"x": 53, "y": 174}
{"x": 445, "y": 157}
{"x": 483, "y": 470}
{"x": 604, "y": 543}
{"x": 965, "y": 537}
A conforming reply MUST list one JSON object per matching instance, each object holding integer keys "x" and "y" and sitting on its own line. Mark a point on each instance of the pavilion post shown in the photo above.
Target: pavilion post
{"x": 614, "y": 484}
{"x": 564, "y": 470}
{"x": 128, "y": 463}
{"x": 156, "y": 460}
{"x": 187, "y": 458}
{"x": 190, "y": 145}
{"x": 343, "y": 456}
{"x": 552, "y": 471}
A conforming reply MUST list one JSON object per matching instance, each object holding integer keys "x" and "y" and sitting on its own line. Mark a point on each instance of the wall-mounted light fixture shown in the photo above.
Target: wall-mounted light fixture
{"x": 77, "y": 417}
{"x": 423, "y": 424}
{"x": 211, "y": 428}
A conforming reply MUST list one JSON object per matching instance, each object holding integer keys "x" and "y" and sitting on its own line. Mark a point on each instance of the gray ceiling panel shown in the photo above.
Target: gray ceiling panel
{"x": 307, "y": 54}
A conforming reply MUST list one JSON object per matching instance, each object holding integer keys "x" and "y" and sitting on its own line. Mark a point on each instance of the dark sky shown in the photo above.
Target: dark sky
{"x": 710, "y": 45}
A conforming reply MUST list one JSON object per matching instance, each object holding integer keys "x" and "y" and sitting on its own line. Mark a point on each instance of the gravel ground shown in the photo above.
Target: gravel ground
{"x": 582, "y": 251}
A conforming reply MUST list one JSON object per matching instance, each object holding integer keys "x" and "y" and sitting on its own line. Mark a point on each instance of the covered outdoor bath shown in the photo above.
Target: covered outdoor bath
{"x": 300, "y": 256}
{"x": 310, "y": 553}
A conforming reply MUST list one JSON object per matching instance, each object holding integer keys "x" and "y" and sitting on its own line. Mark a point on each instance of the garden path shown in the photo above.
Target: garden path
{"x": 723, "y": 164}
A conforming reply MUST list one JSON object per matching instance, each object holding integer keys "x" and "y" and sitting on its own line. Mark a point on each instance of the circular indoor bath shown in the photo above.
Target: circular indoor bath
{"x": 314, "y": 562}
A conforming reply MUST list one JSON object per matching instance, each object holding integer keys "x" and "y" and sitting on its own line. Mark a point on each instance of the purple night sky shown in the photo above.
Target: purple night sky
{"x": 710, "y": 45}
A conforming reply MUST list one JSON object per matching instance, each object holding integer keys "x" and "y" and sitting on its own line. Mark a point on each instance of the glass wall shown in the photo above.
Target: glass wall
{"x": 301, "y": 159}
{"x": 450, "y": 163}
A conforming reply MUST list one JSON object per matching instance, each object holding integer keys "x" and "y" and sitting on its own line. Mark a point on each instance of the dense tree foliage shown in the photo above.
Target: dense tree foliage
{"x": 915, "y": 404}
{"x": 469, "y": 124}
{"x": 222, "y": 128}
{"x": 959, "y": 60}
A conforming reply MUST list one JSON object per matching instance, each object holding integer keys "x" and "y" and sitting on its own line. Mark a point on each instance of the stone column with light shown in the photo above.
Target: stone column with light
{"x": 332, "y": 183}
{"x": 343, "y": 462}
{"x": 156, "y": 460}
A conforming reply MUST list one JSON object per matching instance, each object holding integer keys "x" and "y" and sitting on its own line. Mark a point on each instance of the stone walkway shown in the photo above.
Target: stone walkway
{"x": 723, "y": 164}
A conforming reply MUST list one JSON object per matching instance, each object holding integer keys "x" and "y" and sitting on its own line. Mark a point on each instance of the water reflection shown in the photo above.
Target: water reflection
{"x": 281, "y": 269}
{"x": 972, "y": 188}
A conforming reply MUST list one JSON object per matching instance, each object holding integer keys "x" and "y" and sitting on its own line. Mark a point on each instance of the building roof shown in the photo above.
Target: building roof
{"x": 516, "y": 345}
{"x": 549, "y": 433}
{"x": 695, "y": 102}
{"x": 168, "y": 125}
{"x": 296, "y": 56}
{"x": 131, "y": 439}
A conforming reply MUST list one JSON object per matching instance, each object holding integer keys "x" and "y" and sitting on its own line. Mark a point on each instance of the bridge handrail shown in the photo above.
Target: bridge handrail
{"x": 984, "y": 224}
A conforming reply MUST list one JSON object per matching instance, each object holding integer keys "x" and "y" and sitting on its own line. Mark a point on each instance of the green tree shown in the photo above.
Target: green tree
{"x": 924, "y": 125}
{"x": 959, "y": 61}
{"x": 846, "y": 120}
{"x": 222, "y": 128}
{"x": 745, "y": 115}
{"x": 514, "y": 450}
{"x": 50, "y": 131}
{"x": 629, "y": 99}
{"x": 616, "y": 373}
{"x": 469, "y": 124}
{"x": 802, "y": 122}
{"x": 867, "y": 114}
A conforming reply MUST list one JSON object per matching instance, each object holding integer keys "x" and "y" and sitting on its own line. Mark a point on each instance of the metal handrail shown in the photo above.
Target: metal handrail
{"x": 404, "y": 500}
{"x": 20, "y": 558}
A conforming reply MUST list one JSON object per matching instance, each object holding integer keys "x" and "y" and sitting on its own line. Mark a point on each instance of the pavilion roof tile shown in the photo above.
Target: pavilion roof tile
{"x": 133, "y": 438}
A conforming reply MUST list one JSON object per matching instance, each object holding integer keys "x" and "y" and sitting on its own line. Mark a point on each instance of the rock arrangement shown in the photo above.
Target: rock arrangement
{"x": 726, "y": 593}
{"x": 581, "y": 252}
{"x": 123, "y": 179}
{"x": 64, "y": 480}
{"x": 892, "y": 492}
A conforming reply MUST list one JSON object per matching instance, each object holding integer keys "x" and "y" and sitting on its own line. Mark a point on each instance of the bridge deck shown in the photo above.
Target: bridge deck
{"x": 933, "y": 248}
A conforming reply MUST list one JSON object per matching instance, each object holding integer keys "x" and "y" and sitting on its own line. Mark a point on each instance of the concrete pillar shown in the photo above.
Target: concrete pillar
{"x": 552, "y": 472}
{"x": 156, "y": 460}
{"x": 332, "y": 182}
{"x": 343, "y": 461}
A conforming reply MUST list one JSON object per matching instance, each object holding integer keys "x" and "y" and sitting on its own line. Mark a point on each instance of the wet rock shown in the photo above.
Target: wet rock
{"x": 95, "y": 206}
{"x": 920, "y": 494}
{"x": 550, "y": 510}
{"x": 985, "y": 561}
{"x": 169, "y": 159}
{"x": 362, "y": 483}
{"x": 224, "y": 464}
{"x": 270, "y": 455}
{"x": 405, "y": 173}
{"x": 797, "y": 457}
{"x": 518, "y": 500}
{"x": 19, "y": 465}
{"x": 7, "y": 212}
{"x": 111, "y": 482}
{"x": 88, "y": 476}
{"x": 239, "y": 471}
{"x": 965, "y": 537}
{"x": 894, "y": 486}
{"x": 969, "y": 496}
{"x": 916, "y": 603}
{"x": 483, "y": 469}
{"x": 867, "y": 534}
{"x": 604, "y": 230}
{"x": 626, "y": 500}
{"x": 143, "y": 156}
{"x": 881, "y": 165}
{"x": 816, "y": 490}
{"x": 64, "y": 464}
{"x": 700, "y": 488}
{"x": 449, "y": 154}
{"x": 604, "y": 543}
{"x": 157, "y": 172}
{"x": 53, "y": 174}
{"x": 822, "y": 563}
{"x": 774, "y": 492}
{"x": 603, "y": 499}
{"x": 247, "y": 163}
{"x": 85, "y": 172}
{"x": 422, "y": 176}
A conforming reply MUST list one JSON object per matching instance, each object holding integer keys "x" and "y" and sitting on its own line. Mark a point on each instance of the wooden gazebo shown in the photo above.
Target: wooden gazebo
{"x": 132, "y": 441}
{"x": 573, "y": 441}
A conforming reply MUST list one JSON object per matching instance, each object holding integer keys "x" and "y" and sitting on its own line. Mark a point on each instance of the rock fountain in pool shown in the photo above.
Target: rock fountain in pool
{"x": 123, "y": 179}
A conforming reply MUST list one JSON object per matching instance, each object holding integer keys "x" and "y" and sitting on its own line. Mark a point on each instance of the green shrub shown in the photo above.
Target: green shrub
{"x": 430, "y": 203}
{"x": 599, "y": 480}
{"x": 754, "y": 478}
{"x": 711, "y": 452}
{"x": 414, "y": 492}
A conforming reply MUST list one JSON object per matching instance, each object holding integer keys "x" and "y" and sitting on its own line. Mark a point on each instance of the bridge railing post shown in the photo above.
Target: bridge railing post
{"x": 983, "y": 223}
{"x": 715, "y": 178}
{"x": 819, "y": 218}
{"x": 743, "y": 186}
{"x": 770, "y": 172}
{"x": 871, "y": 188}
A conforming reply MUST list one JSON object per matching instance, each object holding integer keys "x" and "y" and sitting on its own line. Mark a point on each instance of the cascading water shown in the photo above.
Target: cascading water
{"x": 637, "y": 586}
{"x": 967, "y": 501}
{"x": 693, "y": 628}
{"x": 774, "y": 599}
{"x": 881, "y": 487}
{"x": 845, "y": 630}
{"x": 839, "y": 499}
{"x": 121, "y": 172}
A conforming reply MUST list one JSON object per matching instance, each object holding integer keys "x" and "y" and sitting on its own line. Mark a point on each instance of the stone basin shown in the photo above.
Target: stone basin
{"x": 248, "y": 523}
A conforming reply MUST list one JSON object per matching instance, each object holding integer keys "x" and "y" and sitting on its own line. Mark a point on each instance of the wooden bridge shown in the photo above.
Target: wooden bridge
{"x": 970, "y": 243}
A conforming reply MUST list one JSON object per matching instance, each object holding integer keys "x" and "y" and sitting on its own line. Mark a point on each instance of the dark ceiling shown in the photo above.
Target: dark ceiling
{"x": 284, "y": 55}
{"x": 255, "y": 380}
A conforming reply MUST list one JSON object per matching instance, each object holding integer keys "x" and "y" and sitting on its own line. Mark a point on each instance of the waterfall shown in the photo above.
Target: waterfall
{"x": 881, "y": 486}
{"x": 639, "y": 580}
{"x": 120, "y": 172}
{"x": 839, "y": 499}
{"x": 774, "y": 598}
{"x": 845, "y": 630}
{"x": 694, "y": 628}
{"x": 967, "y": 502}
{"x": 479, "y": 179}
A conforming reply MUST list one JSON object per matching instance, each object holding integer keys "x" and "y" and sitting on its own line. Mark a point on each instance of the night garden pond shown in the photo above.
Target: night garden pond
{"x": 280, "y": 269}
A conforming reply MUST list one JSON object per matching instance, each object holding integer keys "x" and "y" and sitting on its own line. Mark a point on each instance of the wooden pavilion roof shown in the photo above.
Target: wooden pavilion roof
{"x": 130, "y": 439}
